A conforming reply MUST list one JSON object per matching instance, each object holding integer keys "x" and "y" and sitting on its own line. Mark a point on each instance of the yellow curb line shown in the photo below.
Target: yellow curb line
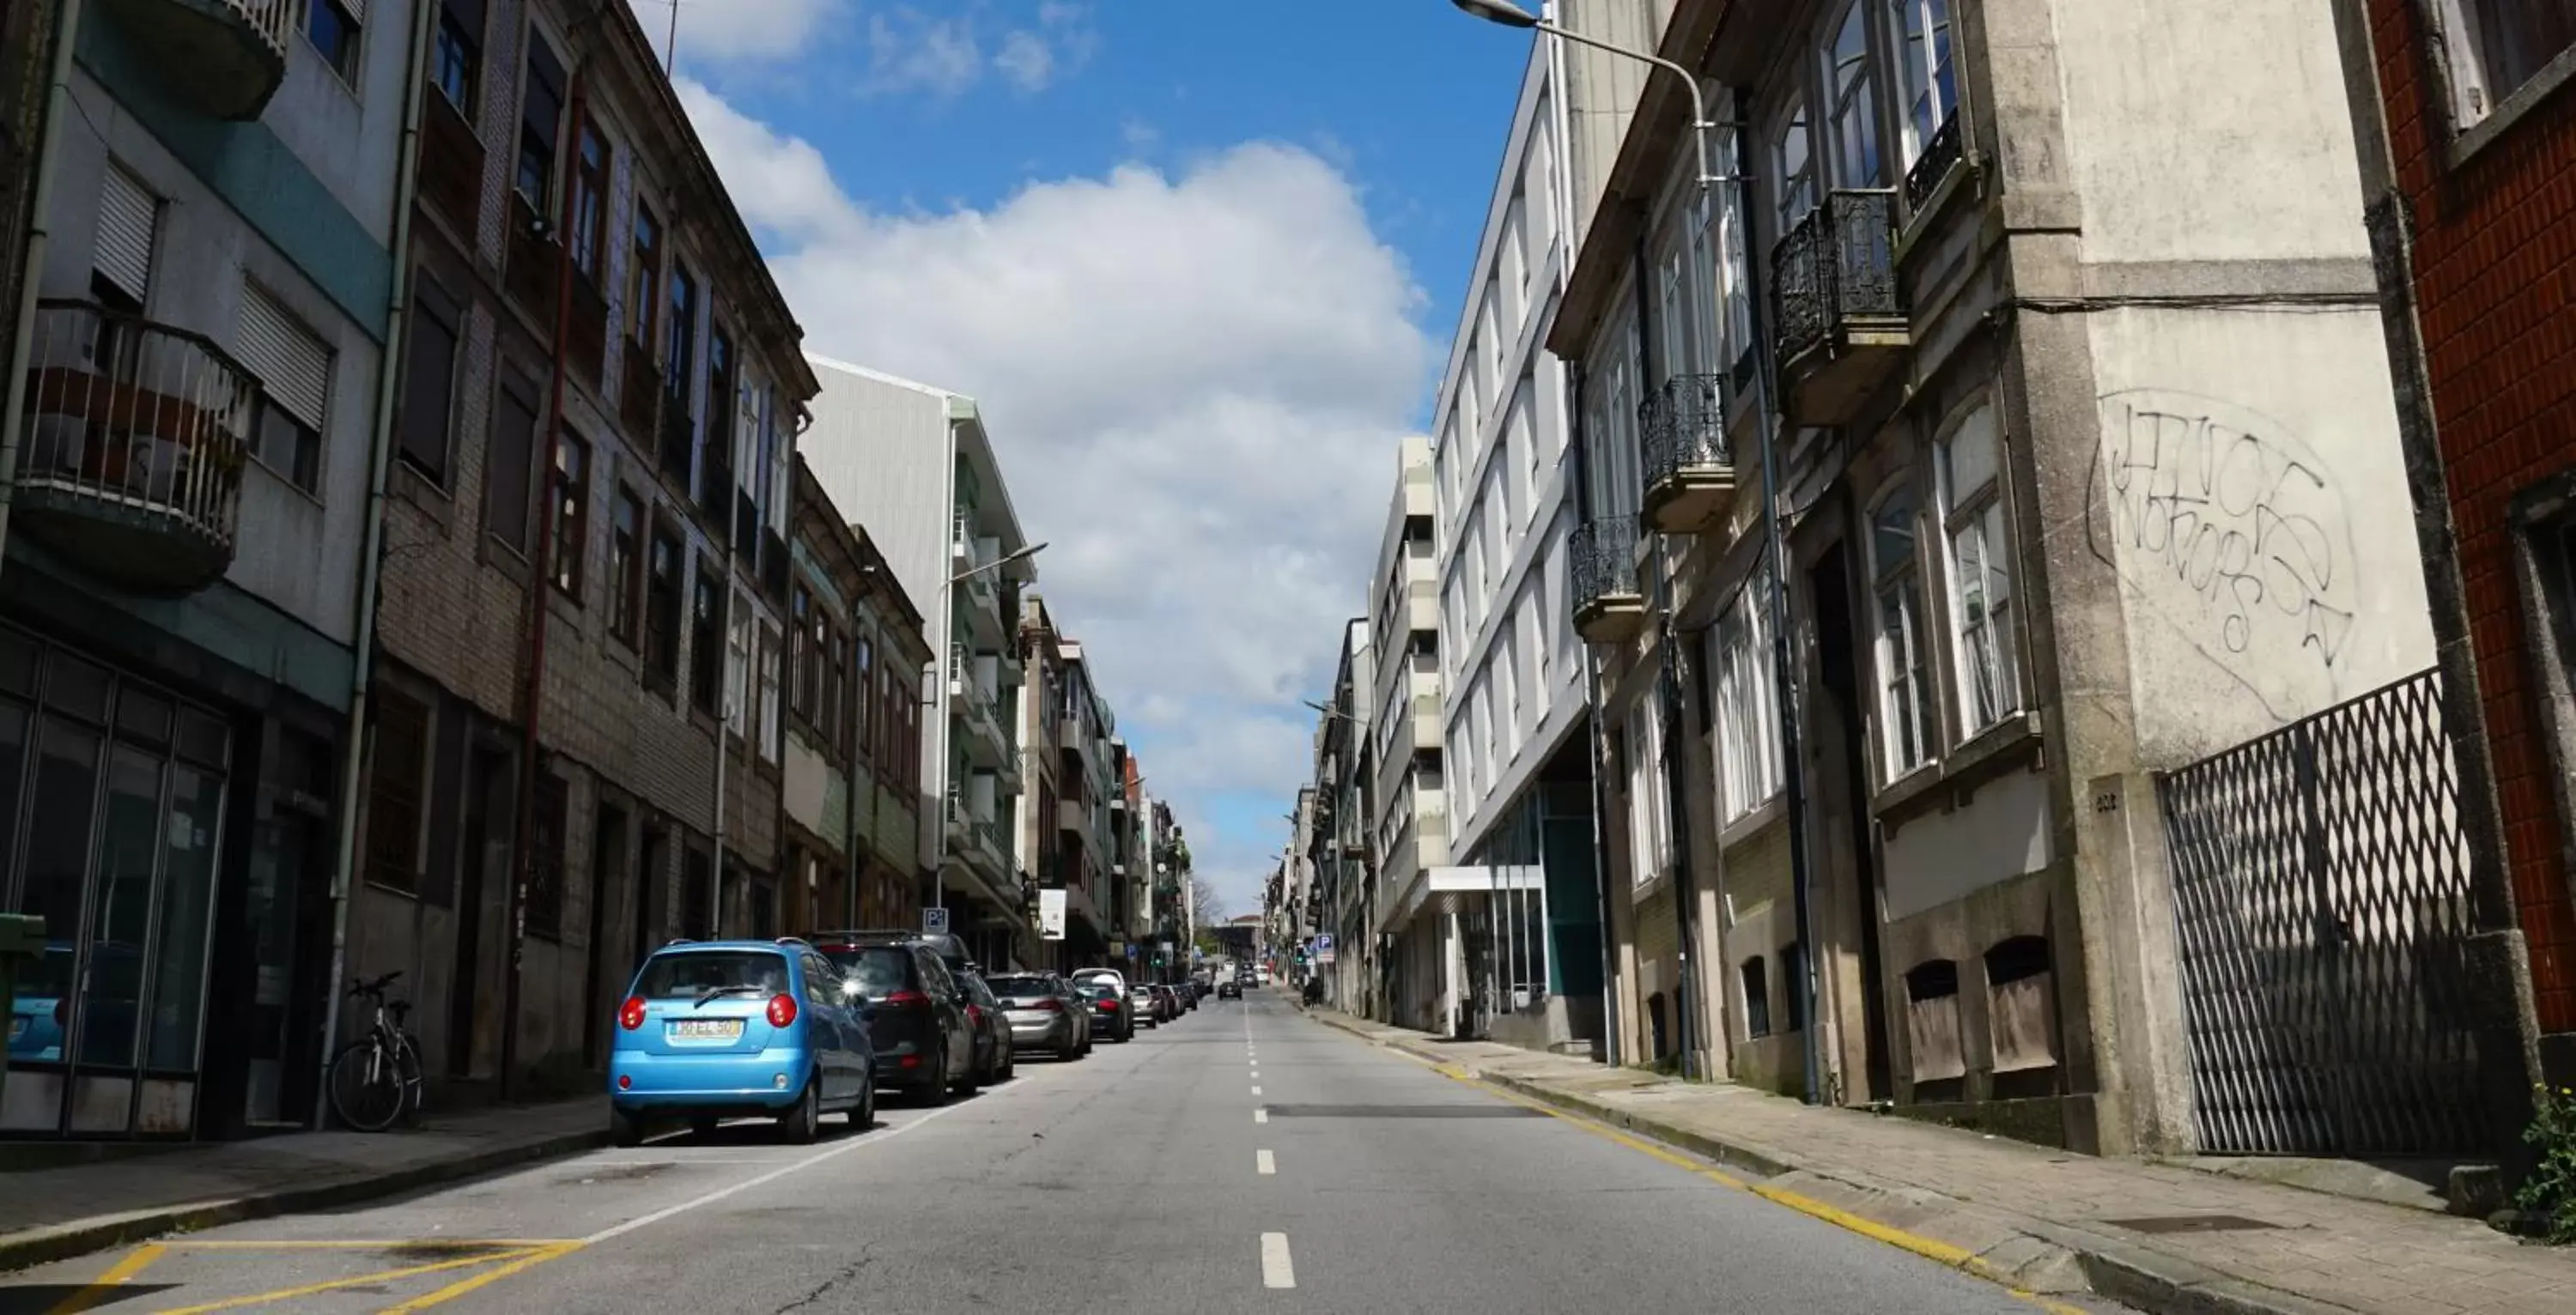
{"x": 455, "y": 1290}
{"x": 495, "y": 1245}
{"x": 334, "y": 1285}
{"x": 1943, "y": 1253}
{"x": 105, "y": 1285}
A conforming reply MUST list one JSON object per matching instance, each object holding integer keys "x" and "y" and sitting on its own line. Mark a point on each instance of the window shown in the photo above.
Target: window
{"x": 662, "y": 608}
{"x": 2496, "y": 47}
{"x": 766, "y": 658}
{"x": 544, "y": 907}
{"x": 589, "y": 219}
{"x": 333, "y": 29}
{"x": 1924, "y": 73}
{"x": 1981, "y": 611}
{"x": 1851, "y": 101}
{"x": 836, "y": 666}
{"x": 1746, "y": 700}
{"x": 541, "y": 103}
{"x": 1649, "y": 822}
{"x": 396, "y": 787}
{"x": 643, "y": 274}
{"x": 457, "y": 63}
{"x": 676, "y": 363}
{"x": 1756, "y": 984}
{"x": 571, "y": 512}
{"x": 800, "y": 652}
{"x": 294, "y": 370}
{"x": 429, "y": 380}
{"x": 625, "y": 566}
{"x": 506, "y": 485}
{"x": 1793, "y": 171}
{"x": 1904, "y": 714}
{"x": 715, "y": 473}
{"x": 864, "y": 693}
{"x": 737, "y": 697}
{"x": 706, "y": 644}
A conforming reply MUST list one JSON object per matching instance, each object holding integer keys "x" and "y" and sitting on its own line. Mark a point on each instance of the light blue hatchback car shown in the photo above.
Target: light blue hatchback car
{"x": 722, "y": 1029}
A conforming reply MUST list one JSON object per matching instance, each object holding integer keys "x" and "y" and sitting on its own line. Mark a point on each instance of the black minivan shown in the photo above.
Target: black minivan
{"x": 924, "y": 1038}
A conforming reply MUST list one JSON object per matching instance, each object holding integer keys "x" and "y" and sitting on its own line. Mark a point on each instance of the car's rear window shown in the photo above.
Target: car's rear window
{"x": 878, "y": 969}
{"x": 692, "y": 973}
{"x": 1019, "y": 985}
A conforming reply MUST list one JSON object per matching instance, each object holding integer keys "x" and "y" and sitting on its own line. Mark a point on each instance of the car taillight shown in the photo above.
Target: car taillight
{"x": 907, "y": 1000}
{"x": 630, "y": 1015}
{"x": 1110, "y": 1005}
{"x": 975, "y": 1013}
{"x": 1049, "y": 1006}
{"x": 782, "y": 1010}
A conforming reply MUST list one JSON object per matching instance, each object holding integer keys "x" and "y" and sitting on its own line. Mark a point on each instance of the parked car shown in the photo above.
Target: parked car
{"x": 729, "y": 1028}
{"x": 1092, "y": 976}
{"x": 1170, "y": 1003}
{"x": 1112, "y": 1012}
{"x": 994, "y": 1061}
{"x": 1188, "y": 995}
{"x": 1144, "y": 1006}
{"x": 925, "y": 1043}
{"x": 1045, "y": 1012}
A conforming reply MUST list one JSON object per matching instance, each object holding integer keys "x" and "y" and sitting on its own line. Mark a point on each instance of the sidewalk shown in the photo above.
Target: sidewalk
{"x": 2158, "y": 1237}
{"x": 52, "y": 1213}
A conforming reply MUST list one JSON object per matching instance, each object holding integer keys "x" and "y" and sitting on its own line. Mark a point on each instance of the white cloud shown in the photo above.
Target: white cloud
{"x": 1196, "y": 382}
{"x": 911, "y": 49}
{"x": 729, "y": 30}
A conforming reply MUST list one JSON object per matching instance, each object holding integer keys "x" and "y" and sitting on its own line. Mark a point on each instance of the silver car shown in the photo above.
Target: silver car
{"x": 1045, "y": 1013}
{"x": 1146, "y": 1009}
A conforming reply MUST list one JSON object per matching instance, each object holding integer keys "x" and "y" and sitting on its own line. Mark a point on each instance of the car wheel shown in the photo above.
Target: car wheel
{"x": 1010, "y": 1064}
{"x": 863, "y": 1115}
{"x": 801, "y": 1124}
{"x": 624, "y": 1129}
{"x": 973, "y": 1081}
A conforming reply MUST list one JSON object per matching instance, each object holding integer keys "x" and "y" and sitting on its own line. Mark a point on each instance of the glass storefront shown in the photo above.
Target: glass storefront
{"x": 111, "y": 811}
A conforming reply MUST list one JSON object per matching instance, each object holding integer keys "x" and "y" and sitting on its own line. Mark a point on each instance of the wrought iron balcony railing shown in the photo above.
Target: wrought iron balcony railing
{"x": 1602, "y": 566}
{"x": 1837, "y": 265}
{"x": 1690, "y": 475}
{"x": 1940, "y": 154}
{"x": 135, "y": 439}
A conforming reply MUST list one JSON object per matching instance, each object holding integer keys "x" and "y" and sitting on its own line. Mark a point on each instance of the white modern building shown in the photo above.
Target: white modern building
{"x": 915, "y": 465}
{"x": 1515, "y": 760}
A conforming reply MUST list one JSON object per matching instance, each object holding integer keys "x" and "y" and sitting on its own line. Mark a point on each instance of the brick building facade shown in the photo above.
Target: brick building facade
{"x": 2474, "y": 146}
{"x": 601, "y": 386}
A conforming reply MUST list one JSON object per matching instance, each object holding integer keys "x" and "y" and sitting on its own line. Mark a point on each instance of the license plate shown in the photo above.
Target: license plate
{"x": 707, "y": 1029}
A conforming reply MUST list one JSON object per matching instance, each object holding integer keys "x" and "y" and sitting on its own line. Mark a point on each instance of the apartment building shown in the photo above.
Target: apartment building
{"x": 190, "y": 433}
{"x": 1065, "y": 803}
{"x": 1517, "y": 772}
{"x": 1970, "y": 270}
{"x": 2465, "y": 129}
{"x": 916, "y": 466}
{"x": 1338, "y": 841}
{"x": 1408, "y": 799}
{"x": 576, "y": 749}
{"x": 849, "y": 688}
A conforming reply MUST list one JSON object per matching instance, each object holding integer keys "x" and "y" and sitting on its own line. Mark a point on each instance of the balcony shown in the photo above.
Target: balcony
{"x": 451, "y": 166}
{"x": 1841, "y": 316}
{"x": 223, "y": 58}
{"x": 979, "y": 730}
{"x": 1602, "y": 566}
{"x": 639, "y": 392}
{"x": 534, "y": 265}
{"x": 586, "y": 330}
{"x": 132, "y": 456}
{"x": 1690, "y": 476}
{"x": 1939, "y": 156}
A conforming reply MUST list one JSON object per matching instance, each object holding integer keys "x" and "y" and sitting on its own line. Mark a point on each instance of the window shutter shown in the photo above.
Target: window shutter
{"x": 289, "y": 360}
{"x": 357, "y": 12}
{"x": 127, "y": 211}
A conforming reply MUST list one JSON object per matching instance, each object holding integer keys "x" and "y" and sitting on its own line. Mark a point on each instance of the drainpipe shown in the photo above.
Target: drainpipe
{"x": 1578, "y": 438}
{"x": 540, "y": 604}
{"x": 13, "y": 422}
{"x": 353, "y": 757}
{"x": 1783, "y": 671}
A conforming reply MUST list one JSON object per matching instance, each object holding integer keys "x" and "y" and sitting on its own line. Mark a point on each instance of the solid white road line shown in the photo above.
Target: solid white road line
{"x": 1263, "y": 1162}
{"x": 1276, "y": 1271}
{"x": 1260, "y": 1115}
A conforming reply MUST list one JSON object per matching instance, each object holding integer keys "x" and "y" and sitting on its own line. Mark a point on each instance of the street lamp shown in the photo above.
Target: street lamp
{"x": 1508, "y": 14}
{"x": 998, "y": 563}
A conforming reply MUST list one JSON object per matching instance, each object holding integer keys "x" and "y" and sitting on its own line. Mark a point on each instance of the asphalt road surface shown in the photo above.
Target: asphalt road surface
{"x": 1244, "y": 1158}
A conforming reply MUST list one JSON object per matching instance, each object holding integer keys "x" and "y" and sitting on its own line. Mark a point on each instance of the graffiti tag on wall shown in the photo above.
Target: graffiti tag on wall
{"x": 2234, "y": 531}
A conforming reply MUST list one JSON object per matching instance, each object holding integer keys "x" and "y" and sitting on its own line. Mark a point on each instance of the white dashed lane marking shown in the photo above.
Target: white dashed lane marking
{"x": 1276, "y": 1271}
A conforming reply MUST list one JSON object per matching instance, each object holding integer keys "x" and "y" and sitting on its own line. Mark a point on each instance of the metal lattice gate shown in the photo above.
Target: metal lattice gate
{"x": 2321, "y": 892}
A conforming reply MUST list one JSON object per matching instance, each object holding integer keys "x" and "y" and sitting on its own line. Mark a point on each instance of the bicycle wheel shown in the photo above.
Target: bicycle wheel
{"x": 408, "y": 1071}
{"x": 366, "y": 1092}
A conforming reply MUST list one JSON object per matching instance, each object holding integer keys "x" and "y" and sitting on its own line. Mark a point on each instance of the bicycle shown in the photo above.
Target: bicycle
{"x": 376, "y": 1079}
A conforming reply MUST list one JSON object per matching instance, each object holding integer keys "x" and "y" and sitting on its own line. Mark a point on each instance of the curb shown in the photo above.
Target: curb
{"x": 53, "y": 1242}
{"x": 2150, "y": 1280}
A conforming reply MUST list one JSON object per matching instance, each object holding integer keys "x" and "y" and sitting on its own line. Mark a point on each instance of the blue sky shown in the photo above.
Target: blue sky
{"x": 1200, "y": 266}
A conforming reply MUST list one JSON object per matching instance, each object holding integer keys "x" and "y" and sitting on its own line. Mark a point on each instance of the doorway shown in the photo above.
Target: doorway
{"x": 1838, "y": 658}
{"x": 486, "y": 873}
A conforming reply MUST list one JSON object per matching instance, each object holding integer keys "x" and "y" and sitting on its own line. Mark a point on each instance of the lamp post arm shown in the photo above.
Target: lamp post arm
{"x": 1699, "y": 103}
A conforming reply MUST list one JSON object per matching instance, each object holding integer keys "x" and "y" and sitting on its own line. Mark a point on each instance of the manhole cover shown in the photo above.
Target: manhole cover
{"x": 1404, "y": 1112}
{"x": 2190, "y": 1224}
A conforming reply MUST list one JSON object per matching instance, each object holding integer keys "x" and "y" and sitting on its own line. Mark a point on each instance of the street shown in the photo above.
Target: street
{"x": 1243, "y": 1158}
